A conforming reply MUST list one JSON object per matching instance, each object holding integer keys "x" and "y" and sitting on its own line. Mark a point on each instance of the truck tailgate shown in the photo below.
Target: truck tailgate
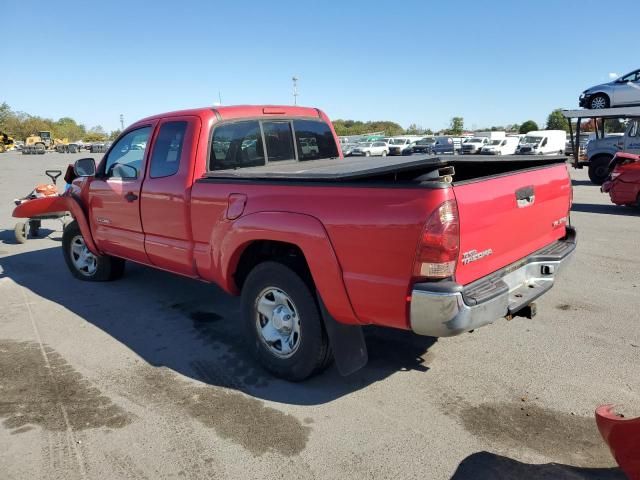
{"x": 505, "y": 218}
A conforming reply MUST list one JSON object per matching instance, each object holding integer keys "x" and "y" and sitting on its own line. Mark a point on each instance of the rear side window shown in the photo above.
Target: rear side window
{"x": 237, "y": 145}
{"x": 314, "y": 140}
{"x": 167, "y": 149}
{"x": 277, "y": 136}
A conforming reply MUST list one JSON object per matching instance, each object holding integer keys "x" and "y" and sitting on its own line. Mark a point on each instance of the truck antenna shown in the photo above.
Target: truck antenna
{"x": 295, "y": 89}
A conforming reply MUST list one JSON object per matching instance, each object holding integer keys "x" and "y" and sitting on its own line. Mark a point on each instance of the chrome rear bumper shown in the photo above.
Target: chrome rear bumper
{"x": 443, "y": 309}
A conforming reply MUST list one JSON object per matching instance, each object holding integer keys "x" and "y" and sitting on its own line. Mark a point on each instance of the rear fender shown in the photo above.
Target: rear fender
{"x": 230, "y": 239}
{"x": 56, "y": 204}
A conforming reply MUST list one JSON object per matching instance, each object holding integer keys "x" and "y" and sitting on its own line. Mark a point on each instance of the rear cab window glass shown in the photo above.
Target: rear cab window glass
{"x": 237, "y": 145}
{"x": 167, "y": 149}
{"x": 314, "y": 140}
{"x": 125, "y": 158}
{"x": 277, "y": 136}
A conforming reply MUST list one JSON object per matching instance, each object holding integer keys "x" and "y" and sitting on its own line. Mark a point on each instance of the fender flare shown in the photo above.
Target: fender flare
{"x": 55, "y": 204}
{"x": 230, "y": 239}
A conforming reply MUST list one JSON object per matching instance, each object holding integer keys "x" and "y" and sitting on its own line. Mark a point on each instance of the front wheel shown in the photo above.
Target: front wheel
{"x": 384, "y": 153}
{"x": 599, "y": 170}
{"x": 85, "y": 265}
{"x": 283, "y": 322}
{"x": 21, "y": 232}
{"x": 599, "y": 101}
{"x": 367, "y": 154}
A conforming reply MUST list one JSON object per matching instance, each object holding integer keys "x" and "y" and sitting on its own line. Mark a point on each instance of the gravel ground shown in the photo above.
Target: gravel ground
{"x": 147, "y": 377}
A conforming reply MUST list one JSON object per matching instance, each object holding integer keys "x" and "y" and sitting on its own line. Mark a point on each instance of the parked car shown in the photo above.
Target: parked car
{"x": 623, "y": 91}
{"x": 447, "y": 145}
{"x": 623, "y": 183}
{"x": 371, "y": 149}
{"x": 317, "y": 248}
{"x": 347, "y": 149}
{"x": 424, "y": 145}
{"x": 504, "y": 146}
{"x": 543, "y": 142}
{"x": 401, "y": 145}
{"x": 479, "y": 140}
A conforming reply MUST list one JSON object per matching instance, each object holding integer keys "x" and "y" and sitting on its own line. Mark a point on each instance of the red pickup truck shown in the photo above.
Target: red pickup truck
{"x": 259, "y": 200}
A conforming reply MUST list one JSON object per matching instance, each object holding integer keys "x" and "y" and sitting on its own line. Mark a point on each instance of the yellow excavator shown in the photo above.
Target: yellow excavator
{"x": 6, "y": 142}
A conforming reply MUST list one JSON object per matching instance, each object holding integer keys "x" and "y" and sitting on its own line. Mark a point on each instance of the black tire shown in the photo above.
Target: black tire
{"x": 312, "y": 353}
{"x": 21, "y": 232}
{"x": 34, "y": 227}
{"x": 107, "y": 268}
{"x": 599, "y": 169}
{"x": 599, "y": 101}
{"x": 73, "y": 149}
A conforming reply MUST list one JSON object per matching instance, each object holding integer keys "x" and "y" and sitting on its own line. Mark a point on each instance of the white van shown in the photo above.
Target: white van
{"x": 543, "y": 142}
{"x": 480, "y": 140}
{"x": 504, "y": 146}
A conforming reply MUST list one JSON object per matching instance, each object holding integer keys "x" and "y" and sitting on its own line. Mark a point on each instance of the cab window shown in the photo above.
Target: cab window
{"x": 125, "y": 158}
{"x": 315, "y": 140}
{"x": 279, "y": 141}
{"x": 167, "y": 149}
{"x": 237, "y": 145}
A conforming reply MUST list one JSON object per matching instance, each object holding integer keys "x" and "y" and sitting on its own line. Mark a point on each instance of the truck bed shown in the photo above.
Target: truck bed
{"x": 371, "y": 168}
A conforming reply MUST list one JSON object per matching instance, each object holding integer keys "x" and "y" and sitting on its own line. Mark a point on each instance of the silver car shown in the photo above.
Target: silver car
{"x": 623, "y": 91}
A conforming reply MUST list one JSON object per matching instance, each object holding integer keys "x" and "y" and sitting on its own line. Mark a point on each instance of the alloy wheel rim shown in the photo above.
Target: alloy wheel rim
{"x": 277, "y": 322}
{"x": 85, "y": 262}
{"x": 598, "y": 102}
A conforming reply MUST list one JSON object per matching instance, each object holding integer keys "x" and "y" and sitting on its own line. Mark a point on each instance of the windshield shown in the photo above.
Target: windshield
{"x": 398, "y": 141}
{"x": 425, "y": 141}
{"x": 530, "y": 139}
{"x": 476, "y": 140}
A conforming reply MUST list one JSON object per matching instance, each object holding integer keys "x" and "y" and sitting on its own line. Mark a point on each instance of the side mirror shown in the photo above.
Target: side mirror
{"x": 85, "y": 167}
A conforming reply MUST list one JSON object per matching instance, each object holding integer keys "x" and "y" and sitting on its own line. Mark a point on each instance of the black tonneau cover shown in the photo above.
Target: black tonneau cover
{"x": 352, "y": 168}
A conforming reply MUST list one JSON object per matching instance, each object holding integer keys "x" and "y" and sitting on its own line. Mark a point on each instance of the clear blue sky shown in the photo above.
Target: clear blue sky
{"x": 408, "y": 61}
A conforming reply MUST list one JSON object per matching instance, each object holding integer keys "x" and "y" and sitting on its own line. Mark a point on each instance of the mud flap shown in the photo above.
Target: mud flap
{"x": 347, "y": 343}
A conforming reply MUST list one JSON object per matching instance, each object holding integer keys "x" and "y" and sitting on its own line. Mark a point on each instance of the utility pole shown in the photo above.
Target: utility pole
{"x": 121, "y": 122}
{"x": 295, "y": 89}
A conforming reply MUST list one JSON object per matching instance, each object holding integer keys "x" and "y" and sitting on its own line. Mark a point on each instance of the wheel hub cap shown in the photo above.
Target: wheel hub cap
{"x": 84, "y": 261}
{"x": 278, "y": 322}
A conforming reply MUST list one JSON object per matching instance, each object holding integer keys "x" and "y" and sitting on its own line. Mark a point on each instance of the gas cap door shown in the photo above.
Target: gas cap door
{"x": 235, "y": 205}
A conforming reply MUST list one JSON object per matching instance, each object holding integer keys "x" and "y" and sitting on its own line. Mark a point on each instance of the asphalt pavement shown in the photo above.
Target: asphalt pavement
{"x": 147, "y": 377}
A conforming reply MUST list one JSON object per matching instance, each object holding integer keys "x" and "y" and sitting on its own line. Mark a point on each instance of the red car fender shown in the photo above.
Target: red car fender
{"x": 622, "y": 435}
{"x": 230, "y": 239}
{"x": 55, "y": 204}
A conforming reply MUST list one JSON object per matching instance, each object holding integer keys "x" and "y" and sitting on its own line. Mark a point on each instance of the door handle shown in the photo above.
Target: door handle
{"x": 130, "y": 197}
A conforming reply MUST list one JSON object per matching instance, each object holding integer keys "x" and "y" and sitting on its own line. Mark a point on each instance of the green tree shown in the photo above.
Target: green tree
{"x": 356, "y": 127}
{"x": 5, "y": 115}
{"x": 557, "y": 121}
{"x": 456, "y": 127}
{"x": 95, "y": 134}
{"x": 68, "y": 128}
{"x": 114, "y": 134}
{"x": 528, "y": 126}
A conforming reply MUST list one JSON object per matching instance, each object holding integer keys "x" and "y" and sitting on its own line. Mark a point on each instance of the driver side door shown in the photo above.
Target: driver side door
{"x": 114, "y": 204}
{"x": 627, "y": 92}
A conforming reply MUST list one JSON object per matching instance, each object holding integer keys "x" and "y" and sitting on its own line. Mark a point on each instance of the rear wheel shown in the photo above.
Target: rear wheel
{"x": 283, "y": 322}
{"x": 85, "y": 265}
{"x": 599, "y": 169}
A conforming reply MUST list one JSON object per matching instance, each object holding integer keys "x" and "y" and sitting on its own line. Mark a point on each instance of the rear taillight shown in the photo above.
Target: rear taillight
{"x": 439, "y": 244}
